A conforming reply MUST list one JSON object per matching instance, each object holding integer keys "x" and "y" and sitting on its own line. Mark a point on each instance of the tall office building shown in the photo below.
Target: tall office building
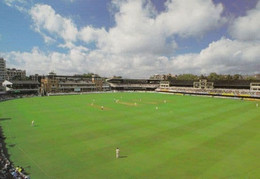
{"x": 13, "y": 73}
{"x": 2, "y": 70}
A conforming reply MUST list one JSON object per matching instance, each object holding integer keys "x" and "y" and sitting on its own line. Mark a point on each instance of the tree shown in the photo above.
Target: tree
{"x": 88, "y": 75}
{"x": 52, "y": 73}
{"x": 170, "y": 78}
{"x": 202, "y": 77}
{"x": 250, "y": 78}
{"x": 117, "y": 77}
{"x": 237, "y": 77}
{"x": 229, "y": 77}
{"x": 213, "y": 77}
{"x": 187, "y": 77}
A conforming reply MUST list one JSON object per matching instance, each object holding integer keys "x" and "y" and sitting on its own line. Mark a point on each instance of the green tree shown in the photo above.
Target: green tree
{"x": 237, "y": 77}
{"x": 213, "y": 77}
{"x": 250, "y": 78}
{"x": 202, "y": 77}
{"x": 229, "y": 77}
{"x": 187, "y": 77}
{"x": 88, "y": 75}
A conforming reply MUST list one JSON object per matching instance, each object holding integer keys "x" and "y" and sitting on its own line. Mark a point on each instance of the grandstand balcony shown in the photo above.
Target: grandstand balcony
{"x": 213, "y": 92}
{"x": 26, "y": 87}
{"x": 226, "y": 84}
{"x": 133, "y": 84}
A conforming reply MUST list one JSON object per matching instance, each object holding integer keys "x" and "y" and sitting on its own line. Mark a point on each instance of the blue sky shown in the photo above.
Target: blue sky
{"x": 131, "y": 38}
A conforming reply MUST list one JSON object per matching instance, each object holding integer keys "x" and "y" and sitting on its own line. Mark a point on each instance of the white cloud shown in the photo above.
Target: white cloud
{"x": 40, "y": 62}
{"x": 47, "y": 20}
{"x": 222, "y": 56}
{"x": 69, "y": 45}
{"x": 89, "y": 34}
{"x": 247, "y": 27}
{"x": 47, "y": 38}
{"x": 190, "y": 18}
{"x": 70, "y": 1}
{"x": 18, "y": 4}
{"x": 12, "y": 2}
{"x": 140, "y": 29}
{"x": 34, "y": 61}
{"x": 141, "y": 43}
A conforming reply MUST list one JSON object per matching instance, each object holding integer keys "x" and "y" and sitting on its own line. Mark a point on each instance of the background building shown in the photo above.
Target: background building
{"x": 133, "y": 84}
{"x": 22, "y": 87}
{"x": 162, "y": 77}
{"x": 53, "y": 83}
{"x": 17, "y": 74}
{"x": 2, "y": 70}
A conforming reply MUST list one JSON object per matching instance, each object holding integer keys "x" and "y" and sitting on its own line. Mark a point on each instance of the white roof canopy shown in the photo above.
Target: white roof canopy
{"x": 5, "y": 83}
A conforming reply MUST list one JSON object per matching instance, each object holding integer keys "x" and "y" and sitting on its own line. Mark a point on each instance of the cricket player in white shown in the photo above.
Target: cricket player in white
{"x": 32, "y": 122}
{"x": 117, "y": 152}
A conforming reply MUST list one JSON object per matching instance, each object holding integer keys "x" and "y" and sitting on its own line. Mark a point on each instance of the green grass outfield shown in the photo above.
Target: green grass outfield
{"x": 187, "y": 137}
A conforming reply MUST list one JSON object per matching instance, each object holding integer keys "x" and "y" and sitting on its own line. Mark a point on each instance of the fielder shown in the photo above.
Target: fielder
{"x": 32, "y": 122}
{"x": 117, "y": 152}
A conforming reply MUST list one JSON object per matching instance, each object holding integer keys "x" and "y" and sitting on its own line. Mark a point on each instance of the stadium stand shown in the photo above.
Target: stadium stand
{"x": 226, "y": 84}
{"x": 7, "y": 170}
{"x": 241, "y": 89}
{"x": 8, "y": 96}
{"x": 21, "y": 87}
{"x": 255, "y": 86}
{"x": 133, "y": 84}
{"x": 72, "y": 84}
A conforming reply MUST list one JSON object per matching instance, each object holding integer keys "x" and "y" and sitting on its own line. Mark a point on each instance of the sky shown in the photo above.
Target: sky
{"x": 131, "y": 38}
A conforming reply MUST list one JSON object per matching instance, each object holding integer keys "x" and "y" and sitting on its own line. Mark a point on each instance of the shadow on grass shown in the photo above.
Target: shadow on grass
{"x": 5, "y": 119}
{"x": 123, "y": 156}
{"x": 12, "y": 145}
{"x": 27, "y": 167}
